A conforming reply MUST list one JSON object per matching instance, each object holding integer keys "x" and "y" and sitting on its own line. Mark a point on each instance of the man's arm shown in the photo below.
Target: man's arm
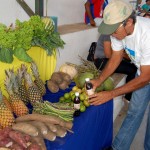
{"x": 87, "y": 8}
{"x": 110, "y": 67}
{"x": 138, "y": 82}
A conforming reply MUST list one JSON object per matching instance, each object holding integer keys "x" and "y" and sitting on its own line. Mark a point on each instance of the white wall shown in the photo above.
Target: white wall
{"x": 67, "y": 11}
{"x": 10, "y": 10}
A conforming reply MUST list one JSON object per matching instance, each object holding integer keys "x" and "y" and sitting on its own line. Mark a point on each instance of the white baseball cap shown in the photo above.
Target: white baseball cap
{"x": 114, "y": 14}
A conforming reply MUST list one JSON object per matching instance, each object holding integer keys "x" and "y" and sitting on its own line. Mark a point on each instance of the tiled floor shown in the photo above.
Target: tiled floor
{"x": 137, "y": 144}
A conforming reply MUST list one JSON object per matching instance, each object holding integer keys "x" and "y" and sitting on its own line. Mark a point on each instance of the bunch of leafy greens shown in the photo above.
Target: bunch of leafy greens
{"x": 16, "y": 41}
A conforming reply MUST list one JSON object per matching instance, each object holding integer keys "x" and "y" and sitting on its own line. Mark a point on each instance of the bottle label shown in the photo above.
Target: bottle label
{"x": 90, "y": 92}
{"x": 77, "y": 106}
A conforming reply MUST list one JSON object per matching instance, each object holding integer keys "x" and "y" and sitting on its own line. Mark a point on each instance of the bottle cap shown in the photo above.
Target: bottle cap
{"x": 87, "y": 79}
{"x": 76, "y": 93}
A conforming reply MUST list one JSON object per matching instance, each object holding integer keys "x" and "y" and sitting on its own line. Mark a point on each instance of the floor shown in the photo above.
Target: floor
{"x": 137, "y": 144}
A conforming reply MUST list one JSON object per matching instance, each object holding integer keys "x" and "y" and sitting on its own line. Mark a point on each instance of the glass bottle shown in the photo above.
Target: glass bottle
{"x": 77, "y": 104}
{"x": 89, "y": 86}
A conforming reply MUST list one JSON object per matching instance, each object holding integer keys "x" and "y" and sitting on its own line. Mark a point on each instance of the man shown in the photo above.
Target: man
{"x": 132, "y": 34}
{"x": 93, "y": 12}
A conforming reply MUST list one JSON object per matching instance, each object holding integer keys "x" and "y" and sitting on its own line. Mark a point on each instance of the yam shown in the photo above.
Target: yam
{"x": 26, "y": 128}
{"x": 61, "y": 132}
{"x": 41, "y": 126}
{"x": 52, "y": 86}
{"x": 65, "y": 76}
{"x": 34, "y": 146}
{"x": 63, "y": 85}
{"x": 66, "y": 124}
{"x": 51, "y": 136}
{"x": 39, "y": 117}
{"x": 57, "y": 78}
{"x": 51, "y": 127}
{"x": 40, "y": 141}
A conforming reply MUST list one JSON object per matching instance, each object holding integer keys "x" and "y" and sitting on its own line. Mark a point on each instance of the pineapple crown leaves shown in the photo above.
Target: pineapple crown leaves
{"x": 28, "y": 79}
{"x": 1, "y": 96}
{"x": 8, "y": 83}
{"x": 24, "y": 68}
{"x": 34, "y": 69}
{"x": 20, "y": 73}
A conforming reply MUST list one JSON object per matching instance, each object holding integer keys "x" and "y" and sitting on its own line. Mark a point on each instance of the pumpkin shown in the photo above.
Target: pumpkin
{"x": 70, "y": 70}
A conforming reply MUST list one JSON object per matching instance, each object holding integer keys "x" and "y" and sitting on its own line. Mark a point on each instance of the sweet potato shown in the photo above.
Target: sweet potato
{"x": 41, "y": 126}
{"x": 16, "y": 146}
{"x": 51, "y": 136}
{"x": 7, "y": 142}
{"x": 18, "y": 138}
{"x": 25, "y": 128}
{"x": 4, "y": 133}
{"x": 51, "y": 126}
{"x": 3, "y": 148}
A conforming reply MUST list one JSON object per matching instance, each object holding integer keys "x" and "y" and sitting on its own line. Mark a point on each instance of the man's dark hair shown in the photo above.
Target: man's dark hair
{"x": 132, "y": 16}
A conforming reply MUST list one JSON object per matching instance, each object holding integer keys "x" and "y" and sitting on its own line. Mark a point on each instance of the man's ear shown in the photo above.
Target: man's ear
{"x": 129, "y": 22}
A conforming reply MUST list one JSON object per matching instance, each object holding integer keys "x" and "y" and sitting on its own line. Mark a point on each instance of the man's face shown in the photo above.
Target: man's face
{"x": 120, "y": 33}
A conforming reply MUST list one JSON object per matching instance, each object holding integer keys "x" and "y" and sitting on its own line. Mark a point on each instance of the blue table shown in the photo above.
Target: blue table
{"x": 92, "y": 129}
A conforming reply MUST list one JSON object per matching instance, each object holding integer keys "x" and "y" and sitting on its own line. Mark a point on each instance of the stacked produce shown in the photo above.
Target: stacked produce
{"x": 58, "y": 80}
{"x": 87, "y": 69}
{"x": 22, "y": 89}
{"x": 17, "y": 40}
{"x": 38, "y": 82}
{"x": 17, "y": 105}
{"x": 62, "y": 111}
{"x": 16, "y": 140}
{"x": 41, "y": 127}
{"x": 68, "y": 98}
{"x": 6, "y": 115}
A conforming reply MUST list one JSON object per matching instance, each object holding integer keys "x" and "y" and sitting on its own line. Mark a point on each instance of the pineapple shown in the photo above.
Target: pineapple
{"x": 21, "y": 87}
{"x": 6, "y": 116}
{"x": 17, "y": 105}
{"x": 32, "y": 90}
{"x": 39, "y": 83}
{"x": 7, "y": 102}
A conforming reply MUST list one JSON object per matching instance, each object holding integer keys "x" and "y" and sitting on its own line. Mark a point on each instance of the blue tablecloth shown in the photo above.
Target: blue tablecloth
{"x": 92, "y": 129}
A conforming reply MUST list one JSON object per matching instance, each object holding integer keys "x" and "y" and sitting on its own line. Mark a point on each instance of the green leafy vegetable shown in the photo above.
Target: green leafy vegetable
{"x": 21, "y": 54}
{"x": 6, "y": 55}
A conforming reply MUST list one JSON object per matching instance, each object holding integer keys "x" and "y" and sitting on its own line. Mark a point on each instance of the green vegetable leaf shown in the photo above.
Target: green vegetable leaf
{"x": 21, "y": 54}
{"x": 6, "y": 55}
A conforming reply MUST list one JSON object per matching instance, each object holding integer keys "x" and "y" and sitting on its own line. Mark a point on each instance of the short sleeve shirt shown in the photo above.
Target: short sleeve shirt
{"x": 99, "y": 52}
{"x": 137, "y": 45}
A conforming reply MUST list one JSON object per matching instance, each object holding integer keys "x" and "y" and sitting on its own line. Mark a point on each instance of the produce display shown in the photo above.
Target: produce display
{"x": 38, "y": 80}
{"x": 58, "y": 80}
{"x": 57, "y": 109}
{"x": 17, "y": 40}
{"x": 15, "y": 140}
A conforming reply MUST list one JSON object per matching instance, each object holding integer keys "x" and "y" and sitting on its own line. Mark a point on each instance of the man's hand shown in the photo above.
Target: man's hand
{"x": 100, "y": 98}
{"x": 95, "y": 83}
{"x": 92, "y": 22}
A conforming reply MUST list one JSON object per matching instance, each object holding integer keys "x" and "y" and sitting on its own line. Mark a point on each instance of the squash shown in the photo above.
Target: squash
{"x": 69, "y": 69}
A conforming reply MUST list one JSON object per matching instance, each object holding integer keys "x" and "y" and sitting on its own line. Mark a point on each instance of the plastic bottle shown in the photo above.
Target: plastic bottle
{"x": 89, "y": 87}
{"x": 77, "y": 104}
